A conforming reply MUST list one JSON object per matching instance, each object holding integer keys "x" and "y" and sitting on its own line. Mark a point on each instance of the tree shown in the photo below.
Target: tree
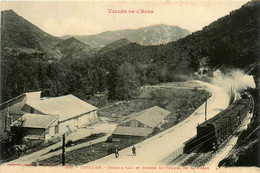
{"x": 18, "y": 131}
{"x": 127, "y": 82}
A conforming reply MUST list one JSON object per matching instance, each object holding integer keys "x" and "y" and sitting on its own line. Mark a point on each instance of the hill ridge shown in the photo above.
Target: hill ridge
{"x": 149, "y": 35}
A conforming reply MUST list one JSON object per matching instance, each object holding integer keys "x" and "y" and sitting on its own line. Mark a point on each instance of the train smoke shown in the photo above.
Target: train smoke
{"x": 235, "y": 79}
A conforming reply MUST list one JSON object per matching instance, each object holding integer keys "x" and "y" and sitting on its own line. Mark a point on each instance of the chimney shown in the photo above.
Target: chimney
{"x": 33, "y": 96}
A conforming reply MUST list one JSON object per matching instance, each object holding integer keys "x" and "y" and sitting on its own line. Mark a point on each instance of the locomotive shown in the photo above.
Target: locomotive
{"x": 211, "y": 133}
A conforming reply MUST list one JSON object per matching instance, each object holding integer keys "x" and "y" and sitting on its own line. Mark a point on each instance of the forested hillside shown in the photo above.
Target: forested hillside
{"x": 232, "y": 41}
{"x": 20, "y": 36}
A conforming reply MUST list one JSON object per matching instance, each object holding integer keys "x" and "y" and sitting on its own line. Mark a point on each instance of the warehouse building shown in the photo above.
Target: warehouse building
{"x": 139, "y": 125}
{"x": 48, "y": 117}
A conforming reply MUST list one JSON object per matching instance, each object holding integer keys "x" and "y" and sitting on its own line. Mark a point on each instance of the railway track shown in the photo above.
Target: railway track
{"x": 193, "y": 159}
{"x": 198, "y": 159}
{"x": 202, "y": 159}
{"x": 190, "y": 159}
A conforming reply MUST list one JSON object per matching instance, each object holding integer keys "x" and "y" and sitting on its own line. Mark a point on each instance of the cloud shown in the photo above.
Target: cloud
{"x": 71, "y": 26}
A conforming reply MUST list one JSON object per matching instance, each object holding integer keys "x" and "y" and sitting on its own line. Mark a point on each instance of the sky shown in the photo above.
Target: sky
{"x": 60, "y": 18}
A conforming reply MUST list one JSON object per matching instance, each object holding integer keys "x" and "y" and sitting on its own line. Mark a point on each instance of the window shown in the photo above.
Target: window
{"x": 31, "y": 110}
{"x": 134, "y": 123}
{"x": 56, "y": 129}
{"x": 8, "y": 121}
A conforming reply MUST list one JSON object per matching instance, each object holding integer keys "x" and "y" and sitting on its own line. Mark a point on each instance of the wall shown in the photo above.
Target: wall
{"x": 78, "y": 121}
{"x": 87, "y": 118}
{"x": 30, "y": 110}
{"x": 39, "y": 132}
{"x": 126, "y": 139}
{"x": 71, "y": 123}
{"x": 33, "y": 96}
{"x": 35, "y": 131}
{"x": 14, "y": 108}
{"x": 167, "y": 160}
{"x": 52, "y": 130}
{"x": 134, "y": 123}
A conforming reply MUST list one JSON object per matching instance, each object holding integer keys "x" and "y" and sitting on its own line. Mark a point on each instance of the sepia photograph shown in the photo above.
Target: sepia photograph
{"x": 130, "y": 86}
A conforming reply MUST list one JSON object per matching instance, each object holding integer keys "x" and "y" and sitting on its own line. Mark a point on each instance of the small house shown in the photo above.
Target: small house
{"x": 37, "y": 126}
{"x": 11, "y": 110}
{"x": 139, "y": 125}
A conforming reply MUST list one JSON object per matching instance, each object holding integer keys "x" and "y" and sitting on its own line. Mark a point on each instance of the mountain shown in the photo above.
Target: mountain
{"x": 114, "y": 45}
{"x": 73, "y": 48}
{"x": 20, "y": 35}
{"x": 151, "y": 35}
{"x": 231, "y": 41}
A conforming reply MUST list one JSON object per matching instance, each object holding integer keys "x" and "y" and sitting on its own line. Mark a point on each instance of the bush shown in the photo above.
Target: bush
{"x": 112, "y": 150}
{"x": 109, "y": 139}
{"x": 156, "y": 130}
{"x": 69, "y": 143}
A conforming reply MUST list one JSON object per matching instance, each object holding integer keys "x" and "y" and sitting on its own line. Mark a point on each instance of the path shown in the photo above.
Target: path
{"x": 81, "y": 133}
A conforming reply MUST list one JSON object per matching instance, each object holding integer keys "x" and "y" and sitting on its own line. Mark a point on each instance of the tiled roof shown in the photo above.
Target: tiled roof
{"x": 132, "y": 131}
{"x": 152, "y": 116}
{"x": 35, "y": 120}
{"x": 66, "y": 107}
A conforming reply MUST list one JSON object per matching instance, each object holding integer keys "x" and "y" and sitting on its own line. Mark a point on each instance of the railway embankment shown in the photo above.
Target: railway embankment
{"x": 246, "y": 151}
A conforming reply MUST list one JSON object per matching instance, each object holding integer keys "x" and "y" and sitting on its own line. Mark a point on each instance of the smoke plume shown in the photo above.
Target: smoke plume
{"x": 235, "y": 79}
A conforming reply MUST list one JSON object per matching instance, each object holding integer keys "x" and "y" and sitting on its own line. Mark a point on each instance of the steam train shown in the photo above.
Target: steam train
{"x": 211, "y": 133}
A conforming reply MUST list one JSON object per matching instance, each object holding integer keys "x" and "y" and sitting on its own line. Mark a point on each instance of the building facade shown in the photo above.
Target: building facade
{"x": 71, "y": 112}
{"x": 11, "y": 110}
{"x": 139, "y": 126}
{"x": 36, "y": 126}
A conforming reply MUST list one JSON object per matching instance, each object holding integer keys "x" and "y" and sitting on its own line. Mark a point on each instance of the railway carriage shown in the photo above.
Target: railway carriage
{"x": 211, "y": 133}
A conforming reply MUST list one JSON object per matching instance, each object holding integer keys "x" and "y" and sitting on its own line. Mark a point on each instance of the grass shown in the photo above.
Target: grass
{"x": 80, "y": 141}
{"x": 86, "y": 154}
{"x": 180, "y": 102}
{"x": 32, "y": 146}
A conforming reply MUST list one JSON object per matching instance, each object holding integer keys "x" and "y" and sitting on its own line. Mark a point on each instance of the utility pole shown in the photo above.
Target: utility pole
{"x": 231, "y": 94}
{"x": 206, "y": 103}
{"x": 231, "y": 91}
{"x": 63, "y": 150}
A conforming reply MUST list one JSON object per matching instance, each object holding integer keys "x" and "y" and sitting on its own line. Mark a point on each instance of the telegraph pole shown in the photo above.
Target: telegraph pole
{"x": 63, "y": 150}
{"x": 206, "y": 104}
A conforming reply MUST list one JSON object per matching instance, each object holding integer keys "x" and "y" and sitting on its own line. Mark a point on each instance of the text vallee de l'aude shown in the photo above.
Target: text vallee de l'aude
{"x": 139, "y": 11}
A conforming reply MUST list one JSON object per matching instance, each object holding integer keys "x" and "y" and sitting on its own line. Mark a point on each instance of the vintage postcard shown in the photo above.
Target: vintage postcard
{"x": 130, "y": 86}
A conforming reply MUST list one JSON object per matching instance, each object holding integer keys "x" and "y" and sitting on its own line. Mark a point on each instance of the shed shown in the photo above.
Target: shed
{"x": 139, "y": 125}
{"x": 42, "y": 126}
